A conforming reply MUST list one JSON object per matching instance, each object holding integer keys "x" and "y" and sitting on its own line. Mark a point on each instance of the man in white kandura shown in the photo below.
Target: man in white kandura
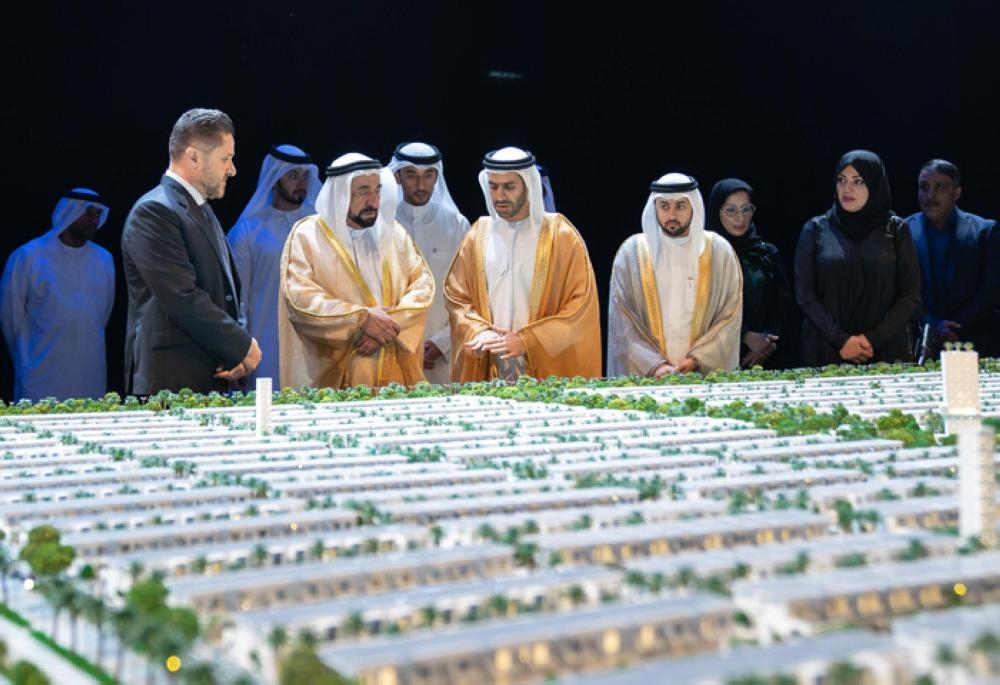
{"x": 676, "y": 295}
{"x": 428, "y": 213}
{"x": 286, "y": 192}
{"x": 55, "y": 300}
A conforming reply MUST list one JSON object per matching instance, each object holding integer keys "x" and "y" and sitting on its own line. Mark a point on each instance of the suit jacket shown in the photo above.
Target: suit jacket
{"x": 182, "y": 309}
{"x": 973, "y": 294}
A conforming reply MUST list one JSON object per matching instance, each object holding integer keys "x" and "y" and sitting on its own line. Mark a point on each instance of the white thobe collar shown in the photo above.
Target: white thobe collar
{"x": 366, "y": 258}
{"x": 510, "y": 263}
{"x": 675, "y": 285}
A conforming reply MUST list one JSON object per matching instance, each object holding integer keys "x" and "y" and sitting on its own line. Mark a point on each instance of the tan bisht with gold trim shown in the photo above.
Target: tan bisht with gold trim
{"x": 636, "y": 340}
{"x": 323, "y": 305}
{"x": 563, "y": 333}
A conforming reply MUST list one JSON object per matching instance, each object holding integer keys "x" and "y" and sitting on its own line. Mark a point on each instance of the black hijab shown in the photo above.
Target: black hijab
{"x": 746, "y": 245}
{"x": 877, "y": 210}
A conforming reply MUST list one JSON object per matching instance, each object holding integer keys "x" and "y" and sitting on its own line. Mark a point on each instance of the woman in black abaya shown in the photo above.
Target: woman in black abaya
{"x": 857, "y": 278}
{"x": 766, "y": 290}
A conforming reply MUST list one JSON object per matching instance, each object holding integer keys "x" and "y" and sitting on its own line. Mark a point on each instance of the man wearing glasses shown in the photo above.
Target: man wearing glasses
{"x": 676, "y": 290}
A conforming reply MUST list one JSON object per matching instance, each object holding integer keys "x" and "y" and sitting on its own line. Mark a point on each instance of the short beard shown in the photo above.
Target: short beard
{"x": 681, "y": 232}
{"x": 363, "y": 223}
{"x": 289, "y": 197}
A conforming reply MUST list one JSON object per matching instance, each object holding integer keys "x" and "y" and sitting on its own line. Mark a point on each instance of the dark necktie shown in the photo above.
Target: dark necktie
{"x": 223, "y": 249}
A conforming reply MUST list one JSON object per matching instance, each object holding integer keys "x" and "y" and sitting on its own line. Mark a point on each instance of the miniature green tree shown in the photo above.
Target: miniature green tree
{"x": 844, "y": 673}
{"x": 303, "y": 666}
{"x": 26, "y": 673}
{"x": 44, "y": 553}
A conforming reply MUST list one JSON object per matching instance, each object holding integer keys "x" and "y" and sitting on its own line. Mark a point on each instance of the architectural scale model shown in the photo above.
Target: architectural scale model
{"x": 460, "y": 538}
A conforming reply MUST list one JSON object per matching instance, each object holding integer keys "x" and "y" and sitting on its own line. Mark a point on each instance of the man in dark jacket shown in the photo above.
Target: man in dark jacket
{"x": 960, "y": 289}
{"x": 185, "y": 328}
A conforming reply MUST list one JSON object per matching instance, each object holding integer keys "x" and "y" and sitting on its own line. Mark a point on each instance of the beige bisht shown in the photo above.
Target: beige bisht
{"x": 545, "y": 290}
{"x": 563, "y": 334}
{"x": 710, "y": 309}
{"x": 325, "y": 295}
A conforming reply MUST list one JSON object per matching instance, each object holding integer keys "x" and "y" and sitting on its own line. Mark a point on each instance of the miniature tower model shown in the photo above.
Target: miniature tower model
{"x": 976, "y": 472}
{"x": 977, "y": 485}
{"x": 960, "y": 374}
{"x": 263, "y": 407}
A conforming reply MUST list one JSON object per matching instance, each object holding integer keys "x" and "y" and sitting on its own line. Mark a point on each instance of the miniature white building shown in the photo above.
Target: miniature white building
{"x": 263, "y": 407}
{"x": 960, "y": 376}
{"x": 977, "y": 484}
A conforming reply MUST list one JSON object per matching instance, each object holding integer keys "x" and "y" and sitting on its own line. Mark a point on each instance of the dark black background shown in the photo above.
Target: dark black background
{"x": 608, "y": 99}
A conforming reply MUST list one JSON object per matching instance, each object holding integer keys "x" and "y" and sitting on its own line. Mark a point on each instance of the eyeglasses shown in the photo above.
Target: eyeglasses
{"x": 843, "y": 181}
{"x": 733, "y": 210}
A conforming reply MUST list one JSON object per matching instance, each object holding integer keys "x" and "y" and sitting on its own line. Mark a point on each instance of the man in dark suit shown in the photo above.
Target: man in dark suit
{"x": 959, "y": 262}
{"x": 184, "y": 327}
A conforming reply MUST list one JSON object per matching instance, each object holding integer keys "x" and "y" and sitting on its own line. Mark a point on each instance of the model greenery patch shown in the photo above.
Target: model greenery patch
{"x": 786, "y": 419}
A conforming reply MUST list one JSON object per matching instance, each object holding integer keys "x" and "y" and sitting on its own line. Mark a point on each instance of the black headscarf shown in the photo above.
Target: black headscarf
{"x": 750, "y": 243}
{"x": 877, "y": 210}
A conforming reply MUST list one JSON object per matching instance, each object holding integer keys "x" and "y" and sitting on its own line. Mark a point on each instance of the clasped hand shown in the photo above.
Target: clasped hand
{"x": 688, "y": 365}
{"x": 377, "y": 330}
{"x": 431, "y": 354}
{"x": 857, "y": 349}
{"x": 505, "y": 344}
{"x": 760, "y": 346}
{"x": 245, "y": 367}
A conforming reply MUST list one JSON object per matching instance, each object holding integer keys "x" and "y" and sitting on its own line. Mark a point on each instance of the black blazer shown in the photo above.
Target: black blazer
{"x": 182, "y": 312}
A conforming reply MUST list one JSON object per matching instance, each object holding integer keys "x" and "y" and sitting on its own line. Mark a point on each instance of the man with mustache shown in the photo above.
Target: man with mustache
{"x": 354, "y": 289}
{"x": 521, "y": 293}
{"x": 56, "y": 296}
{"x": 676, "y": 297}
{"x": 286, "y": 192}
{"x": 184, "y": 327}
{"x": 959, "y": 256}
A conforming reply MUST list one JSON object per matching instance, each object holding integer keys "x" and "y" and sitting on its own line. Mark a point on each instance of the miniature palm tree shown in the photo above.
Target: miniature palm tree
{"x": 135, "y": 570}
{"x": 74, "y": 603}
{"x": 844, "y": 673}
{"x": 96, "y": 611}
{"x": 201, "y": 673}
{"x": 355, "y": 624}
{"x": 260, "y": 555}
{"x": 497, "y": 605}
{"x": 576, "y": 595}
{"x": 524, "y": 554}
{"x": 125, "y": 622}
{"x": 428, "y": 615}
{"x": 845, "y": 514}
{"x": 685, "y": 576}
{"x": 277, "y": 639}
{"x": 636, "y": 580}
